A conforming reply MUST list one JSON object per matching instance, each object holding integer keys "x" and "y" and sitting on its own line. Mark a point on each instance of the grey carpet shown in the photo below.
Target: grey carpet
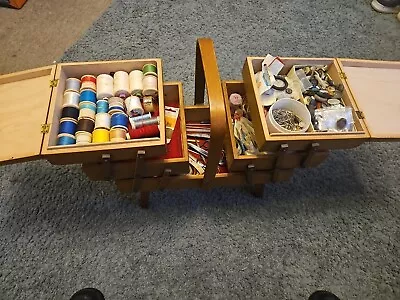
{"x": 334, "y": 227}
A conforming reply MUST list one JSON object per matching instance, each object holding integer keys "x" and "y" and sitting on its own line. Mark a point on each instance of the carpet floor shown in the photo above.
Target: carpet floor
{"x": 334, "y": 227}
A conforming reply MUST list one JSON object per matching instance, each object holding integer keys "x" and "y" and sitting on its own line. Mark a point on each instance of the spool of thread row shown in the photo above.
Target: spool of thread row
{"x": 70, "y": 112}
{"x": 88, "y": 95}
{"x": 65, "y": 139}
{"x": 101, "y": 135}
{"x": 144, "y": 132}
{"x": 134, "y": 106}
{"x": 85, "y": 125}
{"x": 117, "y": 135}
{"x": 149, "y": 69}
{"x": 150, "y": 85}
{"x": 136, "y": 82}
{"x": 121, "y": 84}
{"x": 103, "y": 120}
{"x": 88, "y": 82}
{"x": 86, "y": 113}
{"x": 88, "y": 105}
{"x": 119, "y": 120}
{"x": 105, "y": 86}
{"x": 142, "y": 123}
{"x": 67, "y": 125}
{"x": 83, "y": 137}
{"x": 102, "y": 106}
{"x": 73, "y": 84}
{"x": 71, "y": 99}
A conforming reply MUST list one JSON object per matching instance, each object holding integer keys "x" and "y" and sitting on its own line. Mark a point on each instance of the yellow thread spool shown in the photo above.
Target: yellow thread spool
{"x": 101, "y": 135}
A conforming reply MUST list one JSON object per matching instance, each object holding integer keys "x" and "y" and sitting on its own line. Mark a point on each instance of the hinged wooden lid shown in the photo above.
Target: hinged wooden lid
{"x": 24, "y": 102}
{"x": 375, "y": 87}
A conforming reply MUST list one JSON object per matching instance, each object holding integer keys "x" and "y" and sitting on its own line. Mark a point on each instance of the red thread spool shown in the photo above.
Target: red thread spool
{"x": 144, "y": 132}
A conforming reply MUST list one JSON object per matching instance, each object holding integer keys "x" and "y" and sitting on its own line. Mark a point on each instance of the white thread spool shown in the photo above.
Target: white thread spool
{"x": 136, "y": 82}
{"x": 121, "y": 84}
{"x": 71, "y": 98}
{"x": 150, "y": 85}
{"x": 72, "y": 84}
{"x": 83, "y": 137}
{"x": 103, "y": 120}
{"x": 134, "y": 106}
{"x": 87, "y": 113}
{"x": 105, "y": 86}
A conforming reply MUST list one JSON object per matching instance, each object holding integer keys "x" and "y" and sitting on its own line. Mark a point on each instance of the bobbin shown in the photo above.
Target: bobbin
{"x": 149, "y": 69}
{"x": 119, "y": 120}
{"x": 83, "y": 137}
{"x": 71, "y": 99}
{"x": 105, "y": 86}
{"x": 67, "y": 125}
{"x": 88, "y": 95}
{"x": 88, "y": 82}
{"x": 148, "y": 104}
{"x": 134, "y": 106}
{"x": 72, "y": 84}
{"x": 70, "y": 112}
{"x": 85, "y": 124}
{"x": 87, "y": 104}
{"x": 136, "y": 82}
{"x": 100, "y": 135}
{"x": 102, "y": 106}
{"x": 64, "y": 139}
{"x": 103, "y": 120}
{"x": 150, "y": 85}
{"x": 117, "y": 135}
{"x": 121, "y": 84}
{"x": 86, "y": 113}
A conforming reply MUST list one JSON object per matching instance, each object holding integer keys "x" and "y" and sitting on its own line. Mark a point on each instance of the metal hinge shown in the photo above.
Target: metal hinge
{"x": 53, "y": 83}
{"x": 360, "y": 114}
{"x": 343, "y": 75}
{"x": 45, "y": 128}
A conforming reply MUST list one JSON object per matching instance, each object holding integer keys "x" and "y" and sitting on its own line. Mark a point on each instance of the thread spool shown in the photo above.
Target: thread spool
{"x": 116, "y": 101}
{"x": 103, "y": 120}
{"x": 86, "y": 125}
{"x": 70, "y": 112}
{"x": 67, "y": 125}
{"x": 86, "y": 113}
{"x": 142, "y": 123}
{"x": 105, "y": 86}
{"x": 117, "y": 135}
{"x": 149, "y": 69}
{"x": 150, "y": 85}
{"x": 102, "y": 106}
{"x": 83, "y": 137}
{"x": 116, "y": 109}
{"x": 121, "y": 84}
{"x": 136, "y": 82}
{"x": 144, "y": 132}
{"x": 148, "y": 104}
{"x": 119, "y": 120}
{"x": 87, "y": 104}
{"x": 88, "y": 95}
{"x": 134, "y": 106}
{"x": 72, "y": 84}
{"x": 88, "y": 82}
{"x": 139, "y": 118}
{"x": 70, "y": 98}
{"x": 100, "y": 135}
{"x": 64, "y": 139}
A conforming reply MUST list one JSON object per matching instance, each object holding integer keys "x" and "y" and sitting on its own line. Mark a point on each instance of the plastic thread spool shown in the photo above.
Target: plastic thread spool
{"x": 86, "y": 125}
{"x": 83, "y": 137}
{"x": 87, "y": 104}
{"x": 142, "y": 123}
{"x": 88, "y": 95}
{"x": 139, "y": 118}
{"x": 88, "y": 82}
{"x": 65, "y": 139}
{"x": 67, "y": 125}
{"x": 149, "y": 69}
{"x": 144, "y": 132}
{"x": 101, "y": 135}
{"x": 86, "y": 113}
{"x": 70, "y": 112}
{"x": 148, "y": 104}
{"x": 103, "y": 120}
{"x": 134, "y": 106}
{"x": 117, "y": 135}
{"x": 121, "y": 84}
{"x": 102, "y": 106}
{"x": 119, "y": 120}
{"x": 71, "y": 98}
{"x": 73, "y": 84}
{"x": 150, "y": 87}
{"x": 105, "y": 86}
{"x": 136, "y": 82}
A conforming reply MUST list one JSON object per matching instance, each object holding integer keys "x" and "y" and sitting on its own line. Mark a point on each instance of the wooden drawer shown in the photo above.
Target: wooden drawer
{"x": 32, "y": 101}
{"x": 285, "y": 159}
{"x": 152, "y": 167}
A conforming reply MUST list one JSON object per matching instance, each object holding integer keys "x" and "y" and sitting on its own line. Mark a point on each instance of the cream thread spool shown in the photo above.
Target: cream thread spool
{"x": 72, "y": 84}
{"x": 148, "y": 104}
{"x": 103, "y": 120}
{"x": 86, "y": 113}
{"x": 134, "y": 106}
{"x": 105, "y": 86}
{"x": 83, "y": 137}
{"x": 150, "y": 85}
{"x": 117, "y": 135}
{"x": 136, "y": 82}
{"x": 71, "y": 98}
{"x": 121, "y": 84}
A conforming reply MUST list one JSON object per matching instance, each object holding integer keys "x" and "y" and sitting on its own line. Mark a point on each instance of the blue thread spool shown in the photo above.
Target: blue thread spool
{"x": 87, "y": 104}
{"x": 65, "y": 139}
{"x": 88, "y": 95}
{"x": 119, "y": 120}
{"x": 102, "y": 106}
{"x": 68, "y": 125}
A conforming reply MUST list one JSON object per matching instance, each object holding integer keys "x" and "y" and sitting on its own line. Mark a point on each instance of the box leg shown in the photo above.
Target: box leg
{"x": 144, "y": 199}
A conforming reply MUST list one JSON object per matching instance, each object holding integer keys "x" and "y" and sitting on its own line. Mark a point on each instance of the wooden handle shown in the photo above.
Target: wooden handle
{"x": 207, "y": 75}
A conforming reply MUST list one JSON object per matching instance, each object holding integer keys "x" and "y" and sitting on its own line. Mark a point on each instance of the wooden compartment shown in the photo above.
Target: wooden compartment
{"x": 32, "y": 100}
{"x": 282, "y": 159}
{"x": 301, "y": 141}
{"x": 173, "y": 96}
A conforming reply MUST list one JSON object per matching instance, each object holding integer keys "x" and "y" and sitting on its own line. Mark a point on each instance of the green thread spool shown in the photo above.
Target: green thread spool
{"x": 149, "y": 69}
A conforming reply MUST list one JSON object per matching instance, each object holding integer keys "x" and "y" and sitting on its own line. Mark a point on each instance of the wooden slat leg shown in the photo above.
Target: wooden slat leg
{"x": 107, "y": 166}
{"x": 279, "y": 161}
{"x": 257, "y": 190}
{"x": 144, "y": 199}
{"x": 165, "y": 178}
{"x": 137, "y": 182}
{"x": 308, "y": 161}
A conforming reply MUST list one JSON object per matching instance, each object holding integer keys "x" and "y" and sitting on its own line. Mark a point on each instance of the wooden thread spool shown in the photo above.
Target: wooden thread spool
{"x": 86, "y": 125}
{"x": 134, "y": 106}
{"x": 83, "y": 137}
{"x": 73, "y": 84}
{"x": 101, "y": 135}
{"x": 71, "y": 99}
{"x": 70, "y": 112}
{"x": 105, "y": 86}
{"x": 87, "y": 104}
{"x": 142, "y": 123}
{"x": 150, "y": 85}
{"x": 148, "y": 104}
{"x": 136, "y": 82}
{"x": 144, "y": 132}
{"x": 103, "y": 120}
{"x": 117, "y": 135}
{"x": 149, "y": 69}
{"x": 86, "y": 113}
{"x": 64, "y": 139}
{"x": 121, "y": 84}
{"x": 67, "y": 125}
{"x": 88, "y": 82}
